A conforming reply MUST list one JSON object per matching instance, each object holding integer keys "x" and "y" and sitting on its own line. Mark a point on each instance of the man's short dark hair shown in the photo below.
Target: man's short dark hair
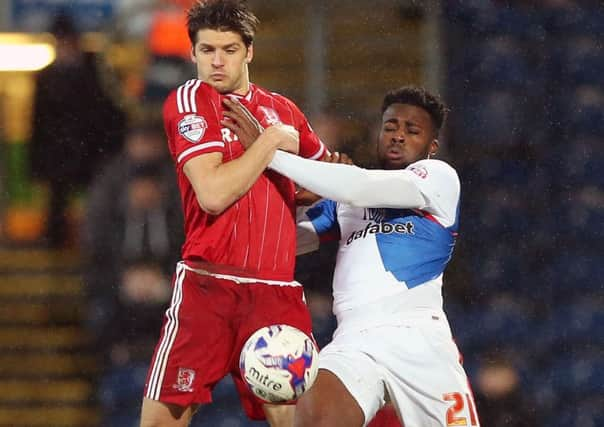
{"x": 222, "y": 15}
{"x": 64, "y": 27}
{"x": 419, "y": 97}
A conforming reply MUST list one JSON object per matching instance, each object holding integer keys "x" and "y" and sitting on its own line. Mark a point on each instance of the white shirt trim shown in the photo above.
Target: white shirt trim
{"x": 239, "y": 279}
{"x": 319, "y": 153}
{"x": 199, "y": 147}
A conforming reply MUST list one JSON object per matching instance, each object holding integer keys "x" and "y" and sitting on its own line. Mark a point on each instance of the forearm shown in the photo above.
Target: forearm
{"x": 349, "y": 184}
{"x": 218, "y": 185}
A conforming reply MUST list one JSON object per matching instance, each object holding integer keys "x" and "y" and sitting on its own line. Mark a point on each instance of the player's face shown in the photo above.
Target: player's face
{"x": 221, "y": 58}
{"x": 407, "y": 135}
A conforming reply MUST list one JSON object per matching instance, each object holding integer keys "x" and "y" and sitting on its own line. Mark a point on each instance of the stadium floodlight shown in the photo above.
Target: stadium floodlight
{"x": 26, "y": 52}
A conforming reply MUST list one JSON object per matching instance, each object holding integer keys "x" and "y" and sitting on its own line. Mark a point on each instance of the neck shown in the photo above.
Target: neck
{"x": 244, "y": 87}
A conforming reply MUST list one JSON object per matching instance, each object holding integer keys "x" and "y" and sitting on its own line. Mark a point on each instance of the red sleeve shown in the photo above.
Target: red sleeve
{"x": 311, "y": 146}
{"x": 192, "y": 121}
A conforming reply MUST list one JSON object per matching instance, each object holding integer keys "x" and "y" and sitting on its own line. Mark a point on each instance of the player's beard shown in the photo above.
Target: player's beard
{"x": 222, "y": 86}
{"x": 229, "y": 84}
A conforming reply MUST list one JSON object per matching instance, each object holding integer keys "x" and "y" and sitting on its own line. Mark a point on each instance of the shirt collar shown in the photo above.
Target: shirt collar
{"x": 247, "y": 97}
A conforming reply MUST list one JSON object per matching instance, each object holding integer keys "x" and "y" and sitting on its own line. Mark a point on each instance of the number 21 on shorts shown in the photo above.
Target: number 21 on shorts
{"x": 458, "y": 408}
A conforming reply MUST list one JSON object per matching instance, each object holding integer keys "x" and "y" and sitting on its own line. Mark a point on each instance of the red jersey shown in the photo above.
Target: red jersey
{"x": 256, "y": 235}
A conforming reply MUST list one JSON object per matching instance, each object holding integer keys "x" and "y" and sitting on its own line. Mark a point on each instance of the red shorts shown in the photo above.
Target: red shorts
{"x": 206, "y": 325}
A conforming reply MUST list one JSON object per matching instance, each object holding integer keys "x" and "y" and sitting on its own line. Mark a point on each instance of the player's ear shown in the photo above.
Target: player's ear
{"x": 433, "y": 148}
{"x": 193, "y": 57}
{"x": 250, "y": 53}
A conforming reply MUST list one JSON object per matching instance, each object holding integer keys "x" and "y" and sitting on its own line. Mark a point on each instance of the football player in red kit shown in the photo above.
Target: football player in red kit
{"x": 236, "y": 273}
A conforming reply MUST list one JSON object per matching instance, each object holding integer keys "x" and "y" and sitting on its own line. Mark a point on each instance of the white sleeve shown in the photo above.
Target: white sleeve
{"x": 352, "y": 185}
{"x": 440, "y": 187}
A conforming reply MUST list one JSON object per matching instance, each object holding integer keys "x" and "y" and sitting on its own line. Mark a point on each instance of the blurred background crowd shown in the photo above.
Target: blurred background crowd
{"x": 90, "y": 216}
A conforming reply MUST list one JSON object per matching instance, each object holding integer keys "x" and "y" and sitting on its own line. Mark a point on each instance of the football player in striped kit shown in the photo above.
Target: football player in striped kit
{"x": 237, "y": 268}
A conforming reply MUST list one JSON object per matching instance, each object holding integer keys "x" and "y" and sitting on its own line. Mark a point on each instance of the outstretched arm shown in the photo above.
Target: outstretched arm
{"x": 346, "y": 184}
{"x": 350, "y": 184}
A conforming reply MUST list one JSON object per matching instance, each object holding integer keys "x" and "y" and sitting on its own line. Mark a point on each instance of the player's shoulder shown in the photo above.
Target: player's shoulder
{"x": 275, "y": 97}
{"x": 433, "y": 167}
{"x": 189, "y": 97}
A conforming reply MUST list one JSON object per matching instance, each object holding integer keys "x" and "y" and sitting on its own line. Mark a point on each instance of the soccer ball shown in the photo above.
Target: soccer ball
{"x": 279, "y": 363}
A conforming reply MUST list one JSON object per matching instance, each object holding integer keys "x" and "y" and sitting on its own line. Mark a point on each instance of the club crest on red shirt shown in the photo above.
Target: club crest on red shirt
{"x": 271, "y": 117}
{"x": 184, "y": 380}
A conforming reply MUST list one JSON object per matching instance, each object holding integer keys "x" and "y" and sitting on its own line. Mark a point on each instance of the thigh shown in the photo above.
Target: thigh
{"x": 424, "y": 378}
{"x": 156, "y": 413}
{"x": 196, "y": 343}
{"x": 328, "y": 403}
{"x": 279, "y": 415}
{"x": 360, "y": 376}
{"x": 273, "y": 305}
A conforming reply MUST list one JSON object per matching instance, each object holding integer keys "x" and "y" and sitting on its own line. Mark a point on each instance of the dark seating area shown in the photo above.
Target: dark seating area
{"x": 527, "y": 128}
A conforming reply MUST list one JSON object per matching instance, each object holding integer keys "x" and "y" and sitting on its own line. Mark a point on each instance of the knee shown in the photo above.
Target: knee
{"x": 158, "y": 414}
{"x": 163, "y": 421}
{"x": 149, "y": 422}
{"x": 279, "y": 415}
{"x": 310, "y": 413}
{"x": 153, "y": 420}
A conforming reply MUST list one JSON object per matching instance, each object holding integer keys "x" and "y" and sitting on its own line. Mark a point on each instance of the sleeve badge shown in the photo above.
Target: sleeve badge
{"x": 192, "y": 127}
{"x": 420, "y": 171}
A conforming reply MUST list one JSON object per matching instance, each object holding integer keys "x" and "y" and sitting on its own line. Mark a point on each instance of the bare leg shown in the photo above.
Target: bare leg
{"x": 158, "y": 414}
{"x": 279, "y": 415}
{"x": 328, "y": 403}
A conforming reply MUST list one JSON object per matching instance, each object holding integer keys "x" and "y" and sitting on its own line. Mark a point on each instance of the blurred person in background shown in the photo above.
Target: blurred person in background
{"x": 76, "y": 126}
{"x": 132, "y": 213}
{"x": 239, "y": 252}
{"x": 397, "y": 228}
{"x": 499, "y": 399}
{"x": 170, "y": 50}
{"x": 331, "y": 127}
{"x": 127, "y": 341}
